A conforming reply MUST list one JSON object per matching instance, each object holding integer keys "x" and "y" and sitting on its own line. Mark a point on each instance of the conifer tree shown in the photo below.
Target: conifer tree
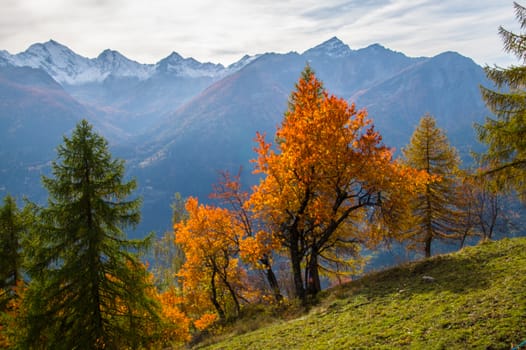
{"x": 11, "y": 231}
{"x": 435, "y": 209}
{"x": 11, "y": 227}
{"x": 88, "y": 288}
{"x": 505, "y": 157}
{"x": 14, "y": 225}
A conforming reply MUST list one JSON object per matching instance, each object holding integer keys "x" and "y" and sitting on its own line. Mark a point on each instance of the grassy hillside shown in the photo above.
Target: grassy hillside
{"x": 472, "y": 299}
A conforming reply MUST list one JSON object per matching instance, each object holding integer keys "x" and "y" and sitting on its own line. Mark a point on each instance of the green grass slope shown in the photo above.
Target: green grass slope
{"x": 476, "y": 299}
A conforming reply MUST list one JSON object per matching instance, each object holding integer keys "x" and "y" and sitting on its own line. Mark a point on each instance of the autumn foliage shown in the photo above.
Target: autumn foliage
{"x": 436, "y": 210}
{"x": 176, "y": 323}
{"x": 257, "y": 245}
{"x": 327, "y": 172}
{"x": 213, "y": 278}
{"x": 328, "y": 187}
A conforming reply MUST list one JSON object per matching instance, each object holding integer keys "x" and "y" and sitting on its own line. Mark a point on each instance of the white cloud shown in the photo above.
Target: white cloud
{"x": 224, "y": 30}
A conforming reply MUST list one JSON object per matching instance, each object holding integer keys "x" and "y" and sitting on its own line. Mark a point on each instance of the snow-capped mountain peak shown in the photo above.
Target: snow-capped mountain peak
{"x": 173, "y": 57}
{"x": 333, "y": 47}
{"x": 64, "y": 65}
{"x": 110, "y": 56}
{"x": 114, "y": 63}
{"x": 54, "y": 54}
{"x": 188, "y": 67}
{"x": 49, "y": 48}
{"x": 67, "y": 67}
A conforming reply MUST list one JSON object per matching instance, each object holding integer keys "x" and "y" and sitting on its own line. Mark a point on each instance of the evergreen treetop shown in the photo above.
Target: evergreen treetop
{"x": 505, "y": 158}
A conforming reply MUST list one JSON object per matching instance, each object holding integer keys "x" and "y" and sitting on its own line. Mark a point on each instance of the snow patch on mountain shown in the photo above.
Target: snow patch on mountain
{"x": 5, "y": 58}
{"x": 60, "y": 62}
{"x": 188, "y": 67}
{"x": 244, "y": 61}
{"x": 114, "y": 63}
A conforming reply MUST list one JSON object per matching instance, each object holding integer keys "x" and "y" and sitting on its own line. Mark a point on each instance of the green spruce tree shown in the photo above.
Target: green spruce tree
{"x": 11, "y": 228}
{"x": 505, "y": 158}
{"x": 14, "y": 225}
{"x": 435, "y": 210}
{"x": 88, "y": 290}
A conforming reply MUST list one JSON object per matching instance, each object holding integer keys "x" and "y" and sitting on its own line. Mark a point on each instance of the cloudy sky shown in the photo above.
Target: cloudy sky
{"x": 221, "y": 31}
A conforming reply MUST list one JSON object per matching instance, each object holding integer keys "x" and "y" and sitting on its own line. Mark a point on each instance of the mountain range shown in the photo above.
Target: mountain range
{"x": 179, "y": 122}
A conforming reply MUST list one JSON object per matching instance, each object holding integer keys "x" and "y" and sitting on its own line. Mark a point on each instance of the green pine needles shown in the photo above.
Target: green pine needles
{"x": 88, "y": 289}
{"x": 505, "y": 158}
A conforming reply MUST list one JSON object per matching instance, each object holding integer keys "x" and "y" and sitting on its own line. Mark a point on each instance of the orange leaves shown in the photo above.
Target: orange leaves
{"x": 328, "y": 165}
{"x": 327, "y": 174}
{"x": 176, "y": 322}
{"x": 208, "y": 231}
{"x": 205, "y": 321}
{"x": 212, "y": 276}
{"x": 324, "y": 145}
{"x": 253, "y": 248}
{"x": 12, "y": 300}
{"x": 264, "y": 152}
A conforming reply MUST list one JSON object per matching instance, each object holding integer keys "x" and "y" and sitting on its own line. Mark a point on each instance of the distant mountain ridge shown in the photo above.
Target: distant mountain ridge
{"x": 179, "y": 122}
{"x": 67, "y": 67}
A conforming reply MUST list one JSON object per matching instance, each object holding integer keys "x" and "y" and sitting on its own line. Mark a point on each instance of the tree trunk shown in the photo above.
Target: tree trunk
{"x": 271, "y": 279}
{"x": 312, "y": 275}
{"x": 213, "y": 297}
{"x": 429, "y": 228}
{"x": 234, "y": 296}
{"x": 295, "y": 260}
{"x": 427, "y": 248}
{"x": 224, "y": 277}
{"x": 463, "y": 240}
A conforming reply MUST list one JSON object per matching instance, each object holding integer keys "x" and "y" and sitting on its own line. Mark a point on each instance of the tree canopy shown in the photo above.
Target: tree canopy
{"x": 505, "y": 158}
{"x": 327, "y": 170}
{"x": 435, "y": 209}
{"x": 88, "y": 288}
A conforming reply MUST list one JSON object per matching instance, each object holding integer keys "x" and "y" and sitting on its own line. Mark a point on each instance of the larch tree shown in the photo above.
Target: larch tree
{"x": 88, "y": 288}
{"x": 505, "y": 157}
{"x": 327, "y": 172}
{"x": 435, "y": 209}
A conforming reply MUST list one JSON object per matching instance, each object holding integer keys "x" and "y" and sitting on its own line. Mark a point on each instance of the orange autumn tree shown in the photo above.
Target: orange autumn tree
{"x": 327, "y": 173}
{"x": 212, "y": 277}
{"x": 257, "y": 245}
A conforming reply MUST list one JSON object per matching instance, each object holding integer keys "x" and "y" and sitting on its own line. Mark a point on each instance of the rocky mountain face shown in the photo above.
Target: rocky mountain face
{"x": 179, "y": 122}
